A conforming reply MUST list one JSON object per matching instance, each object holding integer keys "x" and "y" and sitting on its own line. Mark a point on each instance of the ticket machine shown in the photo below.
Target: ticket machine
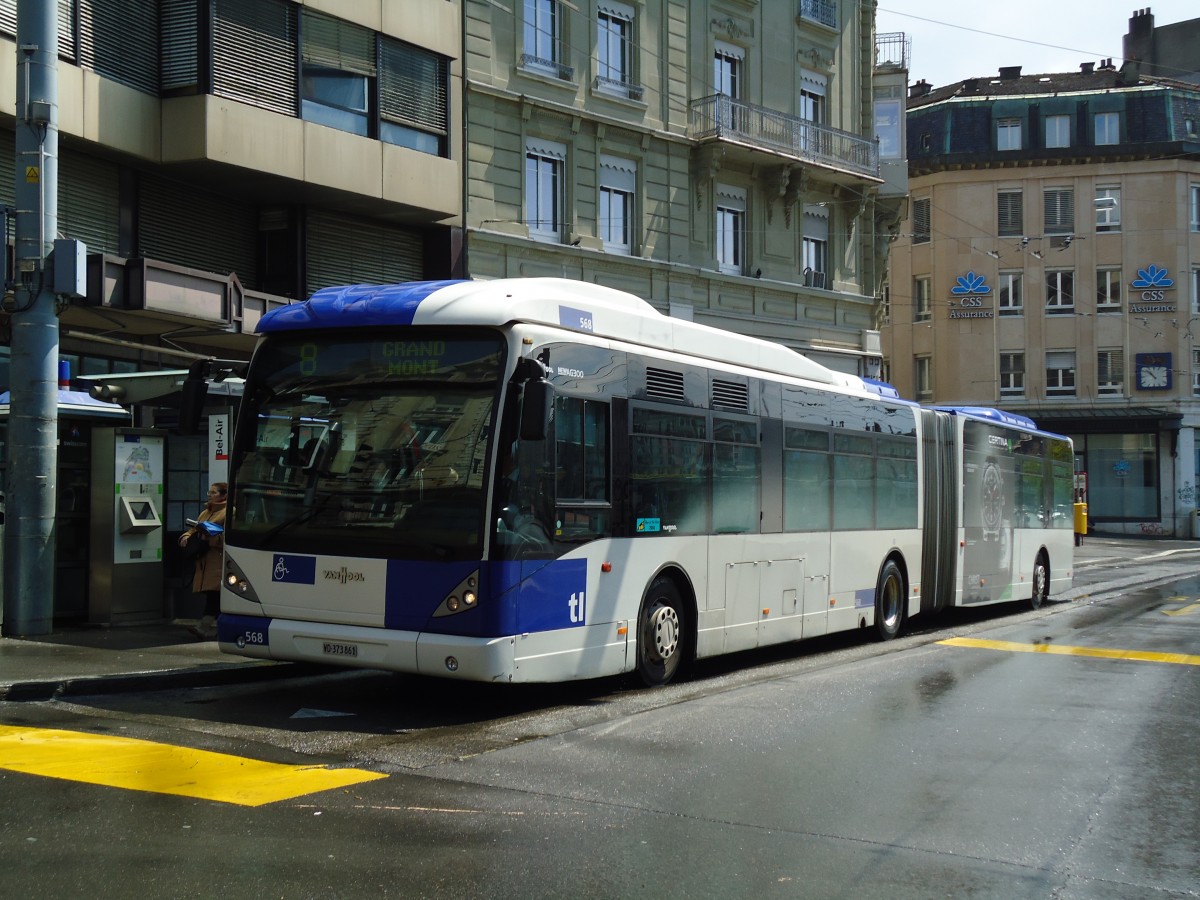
{"x": 128, "y": 469}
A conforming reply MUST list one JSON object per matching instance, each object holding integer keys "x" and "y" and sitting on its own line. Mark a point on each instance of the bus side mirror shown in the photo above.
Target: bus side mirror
{"x": 536, "y": 405}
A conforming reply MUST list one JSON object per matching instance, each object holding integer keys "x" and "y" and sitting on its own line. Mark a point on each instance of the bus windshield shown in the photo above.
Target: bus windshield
{"x": 375, "y": 446}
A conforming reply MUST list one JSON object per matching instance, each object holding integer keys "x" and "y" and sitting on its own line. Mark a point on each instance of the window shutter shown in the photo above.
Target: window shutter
{"x": 1110, "y": 366}
{"x": 179, "y": 23}
{"x": 337, "y": 44}
{"x": 413, "y": 87}
{"x": 119, "y": 40}
{"x": 1060, "y": 211}
{"x": 921, "y": 221}
{"x": 254, "y": 53}
{"x": 1012, "y": 363}
{"x": 66, "y": 31}
{"x": 89, "y": 205}
{"x": 215, "y": 234}
{"x": 341, "y": 250}
{"x": 1010, "y": 220}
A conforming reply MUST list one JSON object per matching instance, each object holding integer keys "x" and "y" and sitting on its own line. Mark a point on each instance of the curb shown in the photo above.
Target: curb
{"x": 214, "y": 675}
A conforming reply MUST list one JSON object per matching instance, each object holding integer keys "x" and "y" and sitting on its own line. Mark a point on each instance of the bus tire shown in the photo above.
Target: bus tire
{"x": 661, "y": 638}
{"x": 889, "y": 601}
{"x": 1041, "y": 582}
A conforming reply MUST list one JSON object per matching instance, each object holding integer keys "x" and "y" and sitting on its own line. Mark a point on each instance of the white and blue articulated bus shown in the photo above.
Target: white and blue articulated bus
{"x": 542, "y": 479}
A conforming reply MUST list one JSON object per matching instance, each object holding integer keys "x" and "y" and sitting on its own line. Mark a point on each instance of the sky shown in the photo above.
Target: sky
{"x": 956, "y": 39}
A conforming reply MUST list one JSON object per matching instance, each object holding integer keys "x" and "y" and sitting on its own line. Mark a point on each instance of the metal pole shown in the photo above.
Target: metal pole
{"x": 33, "y": 411}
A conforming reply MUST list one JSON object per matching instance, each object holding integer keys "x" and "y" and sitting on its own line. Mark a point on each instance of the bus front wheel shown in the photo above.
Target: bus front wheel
{"x": 1041, "y": 582}
{"x": 889, "y": 601}
{"x": 660, "y": 633}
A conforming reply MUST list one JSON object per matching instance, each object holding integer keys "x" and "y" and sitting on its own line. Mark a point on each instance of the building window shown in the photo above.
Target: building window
{"x": 545, "y": 49}
{"x": 823, "y": 11}
{"x": 1108, "y": 290}
{"x": 812, "y": 96}
{"x": 1060, "y": 292}
{"x": 923, "y": 376}
{"x": 1123, "y": 482}
{"x": 1110, "y": 373}
{"x": 1060, "y": 373}
{"x": 614, "y": 50}
{"x": 728, "y": 66}
{"x": 1008, "y": 134}
{"x": 343, "y": 66}
{"x": 731, "y": 229}
{"x": 1012, "y": 374}
{"x": 1108, "y": 128}
{"x": 1010, "y": 221}
{"x": 920, "y": 218}
{"x": 1195, "y": 217}
{"x": 728, "y": 61}
{"x": 618, "y": 187}
{"x": 338, "y": 69}
{"x": 1009, "y": 300}
{"x": 922, "y": 299}
{"x": 814, "y": 246}
{"x": 413, "y": 98}
{"x": 1108, "y": 209}
{"x": 544, "y": 190}
{"x": 1196, "y": 372}
{"x": 889, "y": 123}
{"x": 1196, "y": 290}
{"x": 1058, "y": 131}
{"x": 1059, "y": 215}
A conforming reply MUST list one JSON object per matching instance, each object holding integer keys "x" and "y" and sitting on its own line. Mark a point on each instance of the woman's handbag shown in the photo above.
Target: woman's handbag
{"x": 195, "y": 547}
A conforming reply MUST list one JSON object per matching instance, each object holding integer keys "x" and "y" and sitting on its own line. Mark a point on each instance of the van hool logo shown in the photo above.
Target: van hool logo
{"x": 343, "y": 575}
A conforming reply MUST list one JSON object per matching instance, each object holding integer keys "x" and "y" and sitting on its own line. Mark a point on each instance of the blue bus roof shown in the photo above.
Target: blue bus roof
{"x": 579, "y": 306}
{"x": 996, "y": 415}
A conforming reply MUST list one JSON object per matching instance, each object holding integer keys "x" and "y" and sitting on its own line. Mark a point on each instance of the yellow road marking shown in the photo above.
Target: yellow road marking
{"x": 139, "y": 765}
{"x": 1182, "y": 659}
{"x": 1181, "y": 612}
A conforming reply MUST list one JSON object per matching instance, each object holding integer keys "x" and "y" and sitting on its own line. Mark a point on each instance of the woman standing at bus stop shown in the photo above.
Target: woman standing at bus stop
{"x": 207, "y": 578}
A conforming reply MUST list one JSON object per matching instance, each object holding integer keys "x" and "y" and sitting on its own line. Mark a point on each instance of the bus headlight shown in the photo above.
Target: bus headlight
{"x": 464, "y": 597}
{"x": 236, "y": 582}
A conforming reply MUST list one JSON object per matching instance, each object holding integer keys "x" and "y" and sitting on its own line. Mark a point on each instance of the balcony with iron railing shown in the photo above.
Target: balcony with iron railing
{"x": 823, "y": 11}
{"x": 892, "y": 50}
{"x": 720, "y": 118}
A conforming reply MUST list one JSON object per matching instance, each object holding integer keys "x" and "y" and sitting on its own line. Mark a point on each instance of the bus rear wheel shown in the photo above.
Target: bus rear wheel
{"x": 1041, "y": 582}
{"x": 889, "y": 601}
{"x": 661, "y": 638}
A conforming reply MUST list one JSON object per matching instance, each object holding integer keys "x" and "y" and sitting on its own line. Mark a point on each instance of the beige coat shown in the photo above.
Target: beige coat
{"x": 208, "y": 564}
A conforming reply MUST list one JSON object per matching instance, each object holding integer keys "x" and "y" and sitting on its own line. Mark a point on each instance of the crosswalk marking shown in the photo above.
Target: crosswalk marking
{"x": 1181, "y": 612}
{"x": 1066, "y": 650}
{"x": 139, "y": 765}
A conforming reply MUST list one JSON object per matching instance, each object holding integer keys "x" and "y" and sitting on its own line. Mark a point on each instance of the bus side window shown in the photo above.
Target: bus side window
{"x": 581, "y": 449}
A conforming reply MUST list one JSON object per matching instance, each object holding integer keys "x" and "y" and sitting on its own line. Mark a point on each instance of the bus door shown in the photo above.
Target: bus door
{"x": 940, "y": 493}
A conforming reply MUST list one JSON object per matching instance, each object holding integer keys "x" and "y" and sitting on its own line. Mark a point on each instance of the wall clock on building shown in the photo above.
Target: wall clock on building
{"x": 1153, "y": 371}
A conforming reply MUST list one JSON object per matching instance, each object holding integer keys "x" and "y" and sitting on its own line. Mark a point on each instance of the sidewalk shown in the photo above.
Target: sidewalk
{"x": 85, "y": 659}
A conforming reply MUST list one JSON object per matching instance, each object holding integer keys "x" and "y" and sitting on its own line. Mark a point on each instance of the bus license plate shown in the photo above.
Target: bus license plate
{"x": 332, "y": 649}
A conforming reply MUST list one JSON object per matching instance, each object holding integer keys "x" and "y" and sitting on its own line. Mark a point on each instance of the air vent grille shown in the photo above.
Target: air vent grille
{"x": 663, "y": 384}
{"x": 730, "y": 395}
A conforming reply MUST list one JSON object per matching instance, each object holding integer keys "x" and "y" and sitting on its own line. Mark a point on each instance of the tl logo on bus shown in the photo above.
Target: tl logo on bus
{"x": 578, "y": 607}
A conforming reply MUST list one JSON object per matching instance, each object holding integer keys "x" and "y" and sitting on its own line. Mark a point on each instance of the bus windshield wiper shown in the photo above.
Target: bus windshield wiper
{"x": 300, "y": 518}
